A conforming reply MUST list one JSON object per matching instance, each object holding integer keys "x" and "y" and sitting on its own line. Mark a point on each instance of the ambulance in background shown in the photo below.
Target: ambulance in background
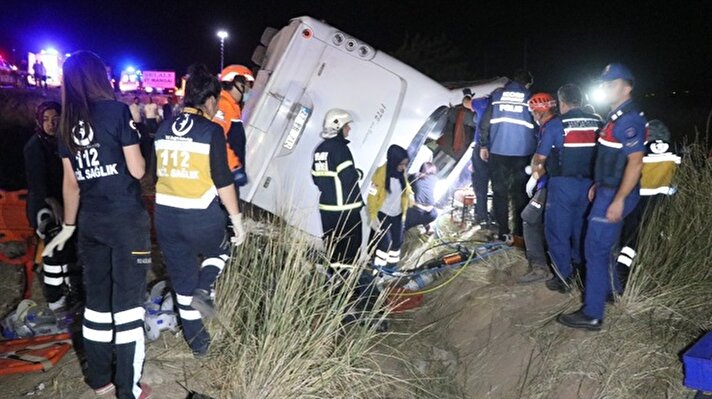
{"x": 308, "y": 68}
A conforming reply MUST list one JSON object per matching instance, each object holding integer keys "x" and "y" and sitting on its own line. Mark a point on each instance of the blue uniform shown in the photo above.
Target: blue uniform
{"x": 507, "y": 131}
{"x": 623, "y": 135}
{"x": 507, "y": 128}
{"x": 569, "y": 146}
{"x": 114, "y": 247}
{"x": 480, "y": 168}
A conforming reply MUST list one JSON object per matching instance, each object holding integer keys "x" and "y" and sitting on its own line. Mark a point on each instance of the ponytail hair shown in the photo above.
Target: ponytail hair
{"x": 200, "y": 86}
{"x": 85, "y": 81}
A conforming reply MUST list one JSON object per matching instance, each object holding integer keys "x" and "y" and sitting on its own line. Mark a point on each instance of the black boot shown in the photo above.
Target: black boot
{"x": 559, "y": 285}
{"x": 578, "y": 319}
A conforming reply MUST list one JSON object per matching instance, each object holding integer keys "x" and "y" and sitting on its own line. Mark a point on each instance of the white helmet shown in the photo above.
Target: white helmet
{"x": 334, "y": 121}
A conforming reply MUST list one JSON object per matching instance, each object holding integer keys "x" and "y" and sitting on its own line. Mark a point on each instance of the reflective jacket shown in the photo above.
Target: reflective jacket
{"x": 183, "y": 162}
{"x": 659, "y": 166}
{"x": 377, "y": 193}
{"x": 336, "y": 176}
{"x": 507, "y": 127}
{"x": 576, "y": 155}
{"x": 625, "y": 127}
{"x": 229, "y": 117}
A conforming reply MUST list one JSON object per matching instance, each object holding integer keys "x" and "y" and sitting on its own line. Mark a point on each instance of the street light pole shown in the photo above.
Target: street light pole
{"x": 222, "y": 35}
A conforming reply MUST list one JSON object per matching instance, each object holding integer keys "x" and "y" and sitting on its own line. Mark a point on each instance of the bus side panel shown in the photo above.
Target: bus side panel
{"x": 370, "y": 93}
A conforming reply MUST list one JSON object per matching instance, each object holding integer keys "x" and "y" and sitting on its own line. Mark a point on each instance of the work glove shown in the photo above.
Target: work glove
{"x": 59, "y": 240}
{"x": 531, "y": 185}
{"x": 238, "y": 229}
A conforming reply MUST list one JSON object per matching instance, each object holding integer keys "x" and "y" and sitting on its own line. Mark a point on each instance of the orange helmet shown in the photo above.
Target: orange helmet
{"x": 541, "y": 102}
{"x": 229, "y": 73}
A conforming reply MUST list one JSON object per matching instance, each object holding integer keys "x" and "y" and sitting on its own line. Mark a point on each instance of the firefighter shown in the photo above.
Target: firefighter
{"x": 615, "y": 193}
{"x": 236, "y": 82}
{"x": 43, "y": 166}
{"x": 659, "y": 165}
{"x": 336, "y": 176}
{"x": 566, "y": 156}
{"x": 389, "y": 198}
{"x": 543, "y": 108}
{"x": 190, "y": 223}
{"x": 102, "y": 160}
{"x": 507, "y": 141}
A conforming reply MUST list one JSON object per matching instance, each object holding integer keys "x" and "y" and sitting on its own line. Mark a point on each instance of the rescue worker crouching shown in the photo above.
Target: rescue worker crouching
{"x": 43, "y": 167}
{"x": 336, "y": 176}
{"x": 389, "y": 198}
{"x": 615, "y": 193}
{"x": 568, "y": 156}
{"x": 543, "y": 108}
{"x": 190, "y": 223}
{"x": 423, "y": 211}
{"x": 236, "y": 82}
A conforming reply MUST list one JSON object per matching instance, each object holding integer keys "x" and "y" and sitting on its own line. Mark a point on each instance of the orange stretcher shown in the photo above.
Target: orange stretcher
{"x": 28, "y": 355}
{"x": 14, "y": 227}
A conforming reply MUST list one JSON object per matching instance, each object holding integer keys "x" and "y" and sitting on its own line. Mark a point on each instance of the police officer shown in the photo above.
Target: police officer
{"x": 102, "y": 160}
{"x": 336, "y": 176}
{"x": 566, "y": 155}
{"x": 480, "y": 168}
{"x": 543, "y": 108}
{"x": 659, "y": 165}
{"x": 507, "y": 141}
{"x": 236, "y": 82}
{"x": 190, "y": 223}
{"x": 615, "y": 193}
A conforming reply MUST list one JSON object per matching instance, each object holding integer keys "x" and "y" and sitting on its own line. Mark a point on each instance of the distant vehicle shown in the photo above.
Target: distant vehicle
{"x": 309, "y": 67}
{"x": 9, "y": 74}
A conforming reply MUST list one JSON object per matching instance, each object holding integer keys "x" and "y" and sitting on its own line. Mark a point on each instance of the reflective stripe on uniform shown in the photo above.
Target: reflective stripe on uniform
{"x": 53, "y": 281}
{"x": 628, "y": 251}
{"x": 125, "y": 337}
{"x": 189, "y": 146}
{"x": 127, "y": 316}
{"x": 216, "y": 262}
{"x": 343, "y": 166}
{"x": 659, "y": 190}
{"x": 610, "y": 144}
{"x": 97, "y": 335}
{"x": 97, "y": 317}
{"x": 511, "y": 120}
{"x": 622, "y": 259}
{"x": 52, "y": 268}
{"x": 187, "y": 203}
{"x": 335, "y": 208}
{"x": 184, "y": 300}
{"x": 189, "y": 315}
{"x": 662, "y": 158}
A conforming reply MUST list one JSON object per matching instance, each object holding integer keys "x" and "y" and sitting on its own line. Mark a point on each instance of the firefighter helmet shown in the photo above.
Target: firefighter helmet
{"x": 541, "y": 102}
{"x": 334, "y": 121}
{"x": 229, "y": 73}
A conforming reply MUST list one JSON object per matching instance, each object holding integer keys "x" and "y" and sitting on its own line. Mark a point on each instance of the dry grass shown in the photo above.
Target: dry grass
{"x": 280, "y": 333}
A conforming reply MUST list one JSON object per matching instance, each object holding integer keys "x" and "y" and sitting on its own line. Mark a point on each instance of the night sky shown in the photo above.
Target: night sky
{"x": 667, "y": 44}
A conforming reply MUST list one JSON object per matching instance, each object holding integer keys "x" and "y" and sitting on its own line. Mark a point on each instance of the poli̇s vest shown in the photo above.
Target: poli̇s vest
{"x": 183, "y": 162}
{"x": 577, "y": 155}
{"x": 611, "y": 160}
{"x": 511, "y": 125}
